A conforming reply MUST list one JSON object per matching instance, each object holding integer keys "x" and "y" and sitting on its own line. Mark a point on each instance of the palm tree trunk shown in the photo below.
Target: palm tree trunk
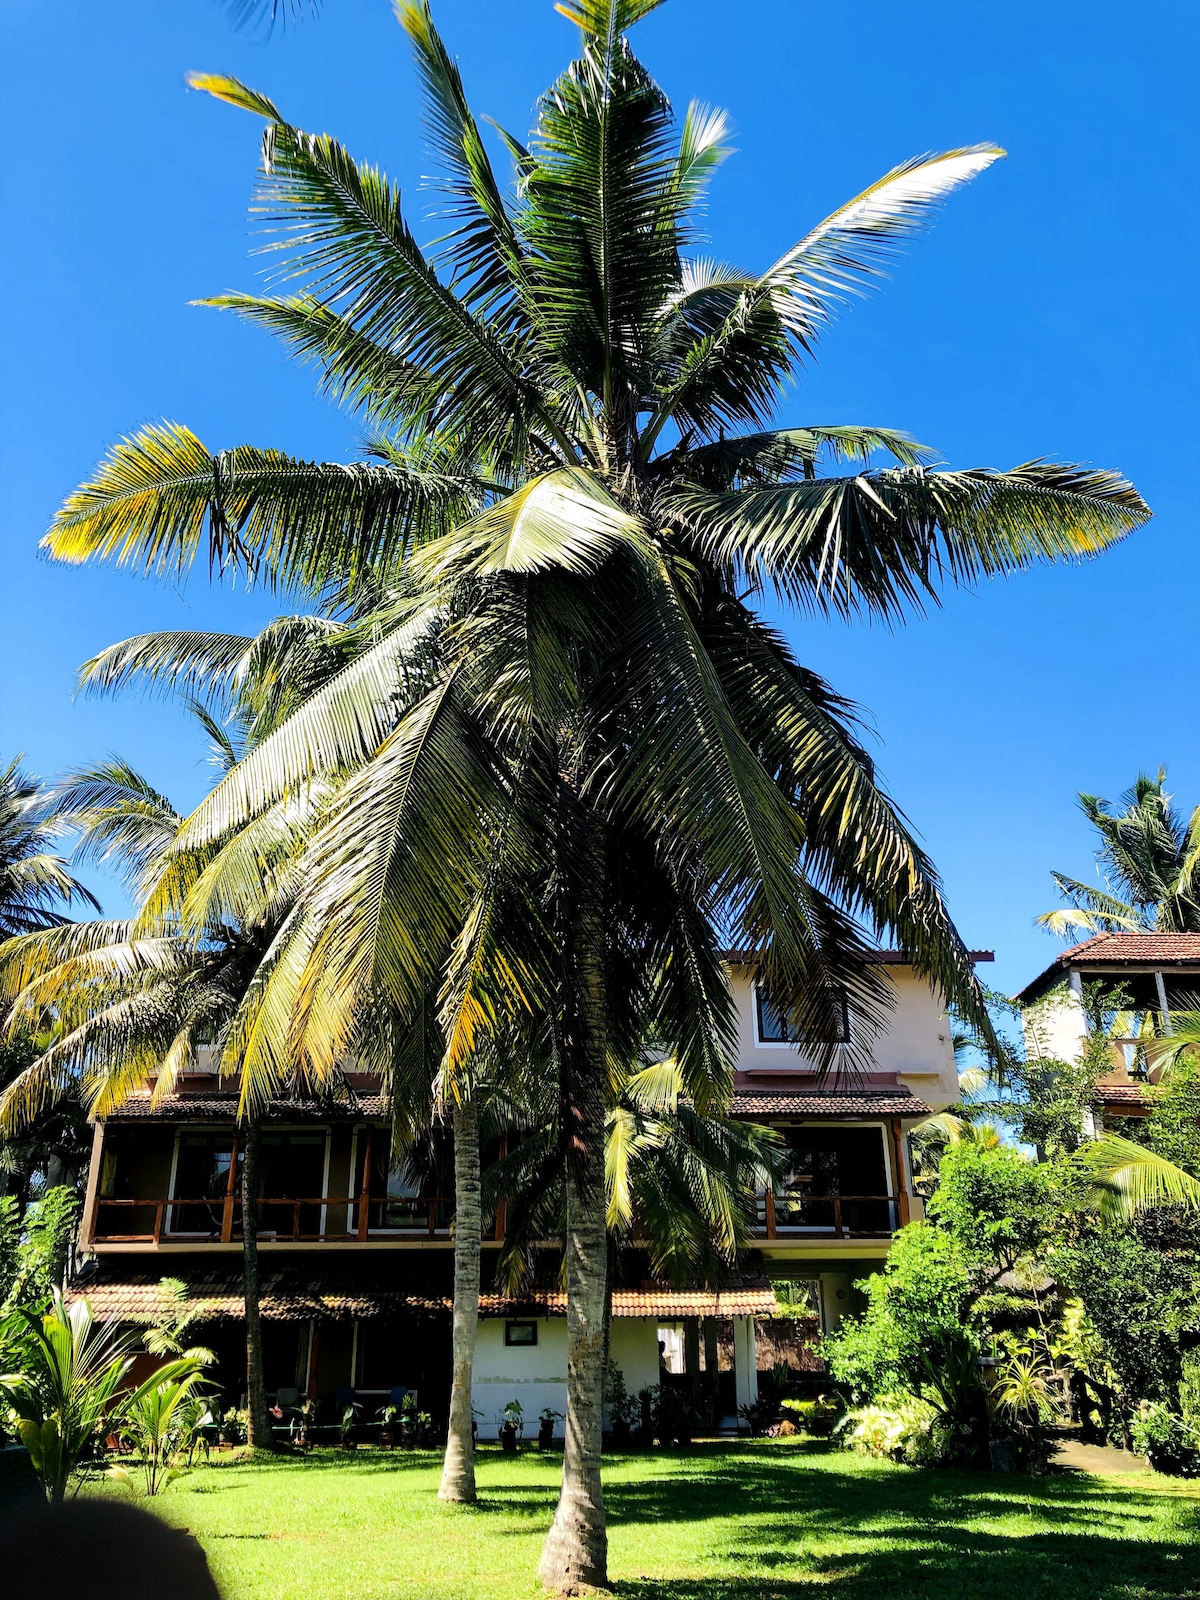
{"x": 575, "y": 1556}
{"x": 258, "y": 1426}
{"x": 458, "y": 1469}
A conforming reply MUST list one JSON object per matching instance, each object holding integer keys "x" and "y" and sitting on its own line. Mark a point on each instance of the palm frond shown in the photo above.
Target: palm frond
{"x": 881, "y": 543}
{"x": 1128, "y": 1178}
{"x": 160, "y": 500}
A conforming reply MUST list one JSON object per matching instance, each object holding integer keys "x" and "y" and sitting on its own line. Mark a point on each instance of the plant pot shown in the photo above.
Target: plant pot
{"x": 349, "y": 1444}
{"x": 508, "y": 1438}
{"x": 545, "y": 1435}
{"x": 620, "y": 1435}
{"x": 387, "y": 1439}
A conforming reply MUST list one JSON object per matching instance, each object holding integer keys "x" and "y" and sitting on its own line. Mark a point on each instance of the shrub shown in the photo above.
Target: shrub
{"x": 904, "y": 1428}
{"x": 814, "y": 1416}
{"x": 1170, "y": 1444}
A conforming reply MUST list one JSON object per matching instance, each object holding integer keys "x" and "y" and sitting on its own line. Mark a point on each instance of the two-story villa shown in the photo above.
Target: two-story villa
{"x": 1154, "y": 975}
{"x": 356, "y": 1260}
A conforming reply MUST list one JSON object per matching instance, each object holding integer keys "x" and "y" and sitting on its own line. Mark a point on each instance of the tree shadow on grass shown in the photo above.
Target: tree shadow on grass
{"x": 919, "y": 1535}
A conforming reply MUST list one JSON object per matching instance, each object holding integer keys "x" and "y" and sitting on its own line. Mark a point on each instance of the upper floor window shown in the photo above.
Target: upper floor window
{"x": 774, "y": 1027}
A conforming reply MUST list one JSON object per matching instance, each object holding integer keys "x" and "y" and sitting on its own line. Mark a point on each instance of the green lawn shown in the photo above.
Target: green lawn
{"x": 764, "y": 1520}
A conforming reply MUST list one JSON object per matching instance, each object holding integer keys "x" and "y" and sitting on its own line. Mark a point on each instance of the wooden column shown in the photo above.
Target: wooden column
{"x": 898, "y": 1166}
{"x": 364, "y": 1203}
{"x": 87, "y": 1234}
{"x": 230, "y": 1192}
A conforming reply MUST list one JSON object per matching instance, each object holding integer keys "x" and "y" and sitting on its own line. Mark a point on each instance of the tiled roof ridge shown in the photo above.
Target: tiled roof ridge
{"x": 865, "y": 1102}
{"x": 1149, "y": 946}
{"x": 139, "y": 1301}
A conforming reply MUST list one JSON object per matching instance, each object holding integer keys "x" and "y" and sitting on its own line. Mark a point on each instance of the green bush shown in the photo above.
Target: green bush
{"x": 902, "y": 1428}
{"x": 817, "y": 1417}
{"x": 1170, "y": 1444}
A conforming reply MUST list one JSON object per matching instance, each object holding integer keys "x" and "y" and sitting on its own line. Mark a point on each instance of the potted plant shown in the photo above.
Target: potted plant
{"x": 622, "y": 1407}
{"x": 546, "y": 1420}
{"x": 387, "y": 1430}
{"x": 304, "y": 1416}
{"x": 512, "y": 1425}
{"x": 348, "y": 1423}
{"x": 234, "y": 1424}
{"x": 410, "y": 1422}
{"x": 426, "y": 1433}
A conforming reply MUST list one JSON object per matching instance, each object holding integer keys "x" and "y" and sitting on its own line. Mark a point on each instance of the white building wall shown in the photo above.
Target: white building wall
{"x": 1055, "y": 1025}
{"x": 915, "y": 1044}
{"x": 536, "y": 1375}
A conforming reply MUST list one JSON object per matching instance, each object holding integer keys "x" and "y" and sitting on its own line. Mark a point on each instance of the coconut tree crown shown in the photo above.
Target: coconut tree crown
{"x": 574, "y": 488}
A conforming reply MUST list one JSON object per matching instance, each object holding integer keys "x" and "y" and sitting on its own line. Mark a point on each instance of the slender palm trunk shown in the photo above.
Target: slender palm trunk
{"x": 575, "y": 1556}
{"x": 458, "y": 1469}
{"x": 258, "y": 1428}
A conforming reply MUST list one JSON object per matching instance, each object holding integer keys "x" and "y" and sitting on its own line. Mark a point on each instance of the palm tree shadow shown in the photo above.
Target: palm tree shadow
{"x": 923, "y": 1534}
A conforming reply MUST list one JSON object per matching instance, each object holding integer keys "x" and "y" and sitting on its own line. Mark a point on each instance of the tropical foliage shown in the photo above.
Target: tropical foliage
{"x": 36, "y": 884}
{"x": 564, "y": 760}
{"x": 68, "y": 1387}
{"x": 1149, "y": 859}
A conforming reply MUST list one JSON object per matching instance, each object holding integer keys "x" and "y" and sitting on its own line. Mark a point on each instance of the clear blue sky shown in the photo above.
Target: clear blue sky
{"x": 1052, "y": 311}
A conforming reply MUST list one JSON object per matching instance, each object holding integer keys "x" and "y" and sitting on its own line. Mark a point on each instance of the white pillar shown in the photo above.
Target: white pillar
{"x": 745, "y": 1361}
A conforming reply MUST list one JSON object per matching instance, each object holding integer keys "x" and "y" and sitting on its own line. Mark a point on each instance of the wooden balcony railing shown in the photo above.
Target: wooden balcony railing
{"x": 306, "y": 1220}
{"x": 838, "y": 1216}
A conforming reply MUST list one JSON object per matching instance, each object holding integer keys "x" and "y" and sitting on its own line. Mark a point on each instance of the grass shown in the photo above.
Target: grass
{"x": 752, "y": 1520}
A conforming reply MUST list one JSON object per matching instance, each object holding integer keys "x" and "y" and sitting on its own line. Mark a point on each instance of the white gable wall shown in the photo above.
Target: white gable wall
{"x": 915, "y": 1043}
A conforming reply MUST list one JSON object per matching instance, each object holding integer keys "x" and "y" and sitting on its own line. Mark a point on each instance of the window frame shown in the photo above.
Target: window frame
{"x": 510, "y": 1326}
{"x": 761, "y": 1041}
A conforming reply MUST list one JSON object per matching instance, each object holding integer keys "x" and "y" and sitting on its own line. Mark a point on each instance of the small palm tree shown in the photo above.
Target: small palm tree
{"x": 69, "y": 1385}
{"x": 1149, "y": 857}
{"x": 161, "y": 1419}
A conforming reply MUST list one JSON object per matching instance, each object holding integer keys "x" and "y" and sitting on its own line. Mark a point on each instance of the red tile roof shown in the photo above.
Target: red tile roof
{"x": 1125, "y": 1094}
{"x": 821, "y": 1103}
{"x": 1121, "y": 949}
{"x": 747, "y": 1301}
{"x": 292, "y": 1294}
{"x": 204, "y": 1107}
{"x": 881, "y": 958}
{"x": 1166, "y": 948}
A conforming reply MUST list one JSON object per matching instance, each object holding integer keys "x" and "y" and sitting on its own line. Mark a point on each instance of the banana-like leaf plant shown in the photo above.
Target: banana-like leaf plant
{"x": 1129, "y": 1178}
{"x": 69, "y": 1387}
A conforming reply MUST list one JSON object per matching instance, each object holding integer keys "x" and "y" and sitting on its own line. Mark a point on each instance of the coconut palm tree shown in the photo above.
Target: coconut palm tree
{"x": 131, "y": 1001}
{"x": 576, "y": 760}
{"x": 1149, "y": 858}
{"x": 35, "y": 882}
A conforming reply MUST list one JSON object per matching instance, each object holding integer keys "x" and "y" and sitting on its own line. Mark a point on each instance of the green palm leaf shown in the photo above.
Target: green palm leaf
{"x": 1128, "y": 1178}
{"x": 882, "y": 542}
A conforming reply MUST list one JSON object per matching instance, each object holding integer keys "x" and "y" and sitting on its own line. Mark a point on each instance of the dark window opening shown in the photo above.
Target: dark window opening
{"x": 402, "y": 1199}
{"x": 837, "y": 1182}
{"x": 520, "y": 1333}
{"x": 292, "y": 1167}
{"x": 775, "y": 1028}
{"x": 202, "y": 1163}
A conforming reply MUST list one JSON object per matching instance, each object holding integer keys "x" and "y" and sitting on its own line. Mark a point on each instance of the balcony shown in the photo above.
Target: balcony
{"x": 797, "y": 1214}
{"x": 320, "y": 1219}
